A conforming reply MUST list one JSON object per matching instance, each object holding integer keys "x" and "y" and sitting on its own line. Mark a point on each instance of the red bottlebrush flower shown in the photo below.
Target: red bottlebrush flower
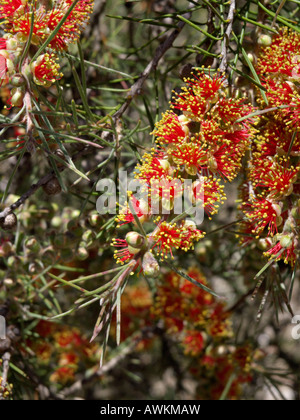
{"x": 160, "y": 178}
{"x": 45, "y": 70}
{"x": 224, "y": 162}
{"x": 122, "y": 255}
{"x": 171, "y": 129}
{"x": 193, "y": 342}
{"x": 141, "y": 209}
{"x": 195, "y": 99}
{"x": 68, "y": 359}
{"x": 193, "y": 106}
{"x": 281, "y": 56}
{"x": 170, "y": 236}
{"x": 206, "y": 86}
{"x": 242, "y": 356}
{"x": 210, "y": 134}
{"x": 189, "y": 155}
{"x": 220, "y": 324}
{"x": 63, "y": 375}
{"x": 276, "y": 139}
{"x": 71, "y": 29}
{"x": 20, "y": 23}
{"x": 9, "y": 8}
{"x": 17, "y": 15}
{"x": 43, "y": 351}
{"x": 277, "y": 179}
{"x": 209, "y": 190}
{"x": 67, "y": 338}
{"x": 283, "y": 251}
{"x": 154, "y": 166}
{"x": 263, "y": 213}
{"x": 228, "y": 110}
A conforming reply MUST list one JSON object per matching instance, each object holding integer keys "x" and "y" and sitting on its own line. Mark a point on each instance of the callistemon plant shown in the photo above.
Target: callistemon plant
{"x": 200, "y": 139}
{"x": 271, "y": 193}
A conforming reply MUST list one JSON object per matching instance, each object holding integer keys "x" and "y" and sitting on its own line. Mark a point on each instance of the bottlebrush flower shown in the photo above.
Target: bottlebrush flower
{"x": 196, "y": 98}
{"x": 171, "y": 129}
{"x": 169, "y": 236}
{"x": 285, "y": 249}
{"x": 154, "y": 167}
{"x": 263, "y": 213}
{"x": 205, "y": 139}
{"x": 277, "y": 179}
{"x": 63, "y": 375}
{"x": 122, "y": 255}
{"x": 18, "y": 15}
{"x": 276, "y": 139}
{"x": 281, "y": 56}
{"x": 71, "y": 29}
{"x": 193, "y": 342}
{"x": 279, "y": 67}
{"x": 45, "y": 70}
{"x": 10, "y": 8}
{"x": 190, "y": 311}
{"x": 209, "y": 193}
{"x": 141, "y": 208}
{"x": 190, "y": 156}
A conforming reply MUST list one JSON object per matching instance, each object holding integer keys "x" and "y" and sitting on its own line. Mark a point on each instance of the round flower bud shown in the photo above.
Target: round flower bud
{"x": 17, "y": 97}
{"x": 263, "y": 244}
{"x": 286, "y": 241}
{"x": 135, "y": 240}
{"x": 184, "y": 121}
{"x": 251, "y": 57}
{"x": 95, "y": 220}
{"x": 8, "y": 282}
{"x": 17, "y": 80}
{"x": 32, "y": 268}
{"x": 82, "y": 253}
{"x": 32, "y": 244}
{"x": 56, "y": 221}
{"x": 212, "y": 164}
{"x": 49, "y": 256}
{"x": 150, "y": 265}
{"x": 279, "y": 221}
{"x": 52, "y": 187}
{"x": 264, "y": 40}
{"x": 11, "y": 44}
{"x": 190, "y": 224}
{"x": 9, "y": 222}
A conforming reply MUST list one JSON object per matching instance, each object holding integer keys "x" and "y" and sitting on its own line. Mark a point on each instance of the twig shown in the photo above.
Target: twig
{"x": 230, "y": 18}
{"x": 277, "y": 12}
{"x": 33, "y": 189}
{"x": 5, "y": 369}
{"x": 159, "y": 53}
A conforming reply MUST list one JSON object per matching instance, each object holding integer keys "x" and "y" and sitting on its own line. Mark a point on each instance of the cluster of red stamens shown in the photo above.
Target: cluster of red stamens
{"x": 271, "y": 190}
